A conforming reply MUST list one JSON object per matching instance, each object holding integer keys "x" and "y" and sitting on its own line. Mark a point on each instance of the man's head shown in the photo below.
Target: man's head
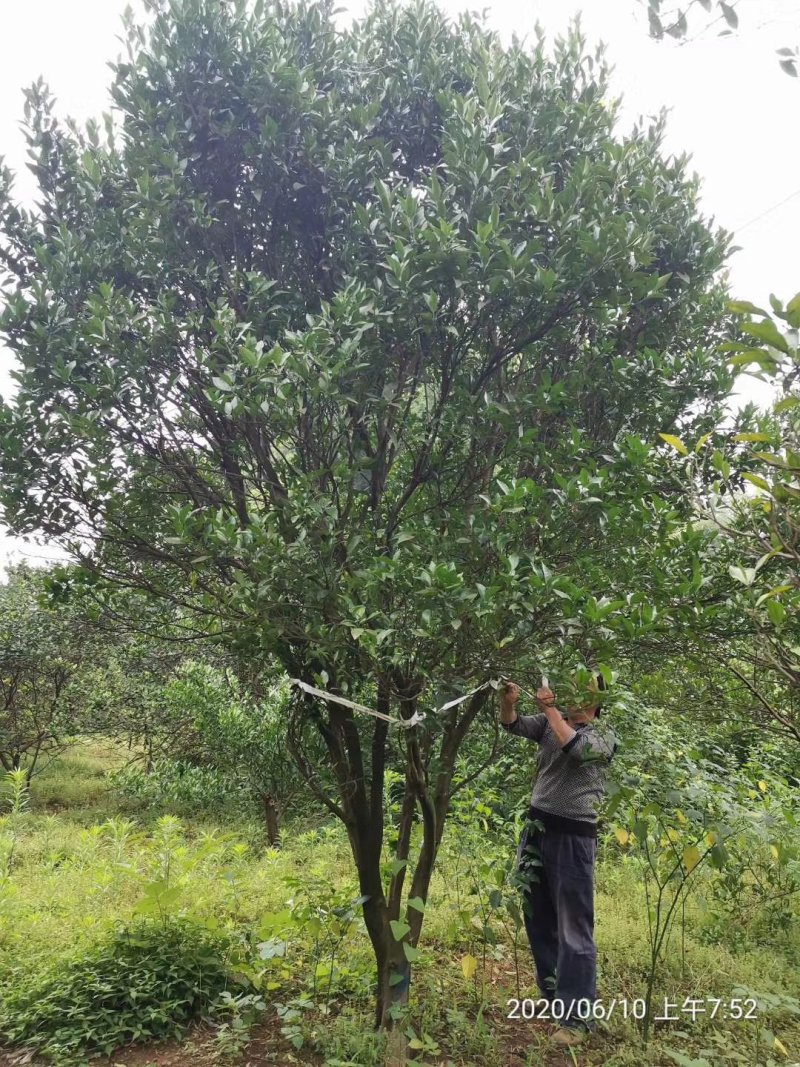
{"x": 582, "y": 703}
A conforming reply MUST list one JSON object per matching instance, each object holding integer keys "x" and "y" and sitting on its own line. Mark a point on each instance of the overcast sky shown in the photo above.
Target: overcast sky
{"x": 731, "y": 108}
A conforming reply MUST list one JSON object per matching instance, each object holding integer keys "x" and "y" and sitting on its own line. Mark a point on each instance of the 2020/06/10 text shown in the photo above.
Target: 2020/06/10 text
{"x": 636, "y": 1008}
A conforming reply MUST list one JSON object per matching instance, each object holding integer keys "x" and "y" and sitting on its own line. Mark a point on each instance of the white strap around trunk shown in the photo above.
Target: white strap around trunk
{"x": 414, "y": 720}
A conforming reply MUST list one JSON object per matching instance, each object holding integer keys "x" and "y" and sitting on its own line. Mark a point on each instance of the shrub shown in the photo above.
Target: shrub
{"x": 177, "y": 785}
{"x": 145, "y": 981}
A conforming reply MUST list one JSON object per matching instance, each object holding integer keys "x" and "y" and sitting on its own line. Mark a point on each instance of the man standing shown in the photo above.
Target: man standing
{"x": 561, "y": 834}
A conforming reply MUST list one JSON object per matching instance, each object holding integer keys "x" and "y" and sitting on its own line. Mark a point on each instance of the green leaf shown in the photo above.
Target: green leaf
{"x": 417, "y": 903}
{"x": 751, "y": 437}
{"x": 675, "y": 442}
{"x": 753, "y": 355}
{"x": 745, "y": 575}
{"x": 399, "y": 928}
{"x": 768, "y": 332}
{"x": 411, "y": 953}
{"x": 772, "y": 592}
{"x": 793, "y": 312}
{"x": 762, "y": 483}
{"x": 744, "y": 307}
{"x": 772, "y": 458}
{"x": 718, "y": 855}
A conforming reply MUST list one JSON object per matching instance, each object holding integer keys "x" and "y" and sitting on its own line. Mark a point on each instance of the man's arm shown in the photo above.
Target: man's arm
{"x": 546, "y": 700}
{"x": 530, "y": 726}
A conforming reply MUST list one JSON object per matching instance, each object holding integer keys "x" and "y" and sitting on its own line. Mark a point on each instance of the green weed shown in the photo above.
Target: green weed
{"x": 141, "y": 982}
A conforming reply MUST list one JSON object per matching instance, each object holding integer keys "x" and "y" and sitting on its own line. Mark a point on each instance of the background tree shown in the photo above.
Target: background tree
{"x": 754, "y": 548}
{"x": 351, "y": 344}
{"x": 42, "y": 652}
{"x": 237, "y": 735}
{"x": 141, "y": 646}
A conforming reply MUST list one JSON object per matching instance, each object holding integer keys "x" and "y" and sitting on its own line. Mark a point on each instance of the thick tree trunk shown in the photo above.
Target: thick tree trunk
{"x": 393, "y": 977}
{"x": 393, "y": 981}
{"x": 271, "y": 817}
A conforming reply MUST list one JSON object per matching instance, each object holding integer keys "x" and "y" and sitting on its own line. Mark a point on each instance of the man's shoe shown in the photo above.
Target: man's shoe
{"x": 567, "y": 1036}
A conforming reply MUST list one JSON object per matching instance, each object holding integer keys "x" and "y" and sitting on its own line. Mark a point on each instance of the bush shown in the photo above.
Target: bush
{"x": 145, "y": 981}
{"x": 178, "y": 785}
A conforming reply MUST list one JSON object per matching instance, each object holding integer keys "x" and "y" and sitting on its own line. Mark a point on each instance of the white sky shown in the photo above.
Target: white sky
{"x": 731, "y": 108}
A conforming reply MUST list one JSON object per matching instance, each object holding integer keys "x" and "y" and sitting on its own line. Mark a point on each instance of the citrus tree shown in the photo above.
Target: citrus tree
{"x": 43, "y": 655}
{"x": 745, "y": 482}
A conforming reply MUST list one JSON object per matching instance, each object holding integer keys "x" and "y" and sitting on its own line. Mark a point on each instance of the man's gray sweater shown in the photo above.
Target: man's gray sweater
{"x": 570, "y": 780}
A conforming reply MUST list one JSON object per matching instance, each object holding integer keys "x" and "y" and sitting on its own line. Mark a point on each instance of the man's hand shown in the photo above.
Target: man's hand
{"x": 545, "y": 697}
{"x": 509, "y": 698}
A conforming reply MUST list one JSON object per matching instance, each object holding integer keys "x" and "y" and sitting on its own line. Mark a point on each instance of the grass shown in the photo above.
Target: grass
{"x": 82, "y": 862}
{"x": 76, "y": 782}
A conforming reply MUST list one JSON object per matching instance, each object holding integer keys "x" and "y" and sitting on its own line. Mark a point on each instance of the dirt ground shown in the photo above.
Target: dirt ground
{"x": 268, "y": 1048}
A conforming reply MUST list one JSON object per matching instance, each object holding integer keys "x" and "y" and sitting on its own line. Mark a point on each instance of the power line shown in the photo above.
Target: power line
{"x": 769, "y": 210}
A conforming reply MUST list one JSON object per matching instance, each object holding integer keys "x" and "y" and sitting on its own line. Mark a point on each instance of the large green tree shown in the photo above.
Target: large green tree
{"x": 347, "y": 341}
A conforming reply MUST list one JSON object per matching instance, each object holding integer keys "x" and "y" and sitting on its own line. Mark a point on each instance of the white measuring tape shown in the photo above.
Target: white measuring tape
{"x": 416, "y": 718}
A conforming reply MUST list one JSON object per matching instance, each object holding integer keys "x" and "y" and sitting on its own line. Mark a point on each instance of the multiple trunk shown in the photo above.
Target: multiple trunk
{"x": 360, "y": 805}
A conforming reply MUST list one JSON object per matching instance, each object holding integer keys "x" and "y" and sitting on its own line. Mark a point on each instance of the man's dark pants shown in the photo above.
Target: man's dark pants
{"x": 558, "y": 909}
